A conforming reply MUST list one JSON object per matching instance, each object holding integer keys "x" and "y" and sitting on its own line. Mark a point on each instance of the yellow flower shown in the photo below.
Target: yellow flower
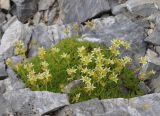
{"x": 90, "y": 24}
{"x": 76, "y": 98}
{"x": 61, "y": 86}
{"x": 117, "y": 42}
{"x": 18, "y": 66}
{"x": 143, "y": 61}
{"x": 19, "y": 50}
{"x": 90, "y": 73}
{"x": 32, "y": 79}
{"x": 114, "y": 50}
{"x": 76, "y": 27}
{"x": 113, "y": 77}
{"x": 44, "y": 65}
{"x": 109, "y": 61}
{"x": 44, "y": 76}
{"x": 86, "y": 79}
{"x": 126, "y": 60}
{"x": 9, "y": 62}
{"x": 97, "y": 50}
{"x": 151, "y": 72}
{"x": 65, "y": 56}
{"x": 28, "y": 67}
{"x": 104, "y": 71}
{"x": 55, "y": 50}
{"x": 67, "y": 31}
{"x": 81, "y": 49}
{"x": 142, "y": 76}
{"x": 84, "y": 70}
{"x": 126, "y": 45}
{"x": 90, "y": 87}
{"x": 41, "y": 53}
{"x": 71, "y": 71}
{"x": 86, "y": 59}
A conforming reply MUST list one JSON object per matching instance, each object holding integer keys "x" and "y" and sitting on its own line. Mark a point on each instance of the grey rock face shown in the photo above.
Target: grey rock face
{"x": 5, "y": 108}
{"x": 119, "y": 9}
{"x": 154, "y": 38}
{"x": 45, "y": 4}
{"x": 142, "y": 7}
{"x": 14, "y": 33}
{"x": 138, "y": 106}
{"x": 28, "y": 103}
{"x": 155, "y": 85}
{"x": 5, "y": 4}
{"x": 13, "y": 84}
{"x": 25, "y": 9}
{"x": 3, "y": 73}
{"x": 2, "y": 17}
{"x": 153, "y": 57}
{"x": 81, "y": 10}
{"x": 9, "y": 23}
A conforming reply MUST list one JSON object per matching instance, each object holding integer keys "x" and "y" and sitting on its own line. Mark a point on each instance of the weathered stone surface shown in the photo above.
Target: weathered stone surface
{"x": 155, "y": 85}
{"x": 28, "y": 103}
{"x": 17, "y": 31}
{"x": 154, "y": 38}
{"x": 2, "y": 17}
{"x": 81, "y": 10}
{"x": 3, "y": 73}
{"x": 142, "y": 7}
{"x": 13, "y": 84}
{"x": 2, "y": 88}
{"x": 144, "y": 88}
{"x": 5, "y": 4}
{"x": 153, "y": 57}
{"x": 139, "y": 106}
{"x": 9, "y": 23}
{"x": 36, "y": 18}
{"x": 25, "y": 9}
{"x": 158, "y": 49}
{"x": 5, "y": 108}
{"x": 45, "y": 4}
{"x": 119, "y": 9}
{"x": 53, "y": 13}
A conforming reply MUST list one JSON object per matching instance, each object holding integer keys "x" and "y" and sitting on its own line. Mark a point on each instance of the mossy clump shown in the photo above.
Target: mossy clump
{"x": 103, "y": 73}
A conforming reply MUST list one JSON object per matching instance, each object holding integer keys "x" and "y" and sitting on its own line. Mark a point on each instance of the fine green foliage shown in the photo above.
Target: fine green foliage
{"x": 103, "y": 73}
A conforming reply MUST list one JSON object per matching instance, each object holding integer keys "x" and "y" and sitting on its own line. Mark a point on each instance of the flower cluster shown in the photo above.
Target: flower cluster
{"x": 95, "y": 68}
{"x": 19, "y": 48}
{"x": 90, "y": 23}
{"x": 35, "y": 78}
{"x": 67, "y": 31}
{"x": 76, "y": 27}
{"x": 41, "y": 53}
{"x": 116, "y": 44}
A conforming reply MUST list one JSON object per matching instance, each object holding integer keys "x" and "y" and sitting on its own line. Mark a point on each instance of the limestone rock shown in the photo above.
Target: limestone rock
{"x": 45, "y": 4}
{"x": 25, "y": 9}
{"x": 138, "y": 106}
{"x": 34, "y": 103}
{"x": 81, "y": 10}
{"x": 155, "y": 85}
{"x": 142, "y": 7}
{"x": 15, "y": 32}
{"x": 5, "y": 4}
{"x": 3, "y": 73}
